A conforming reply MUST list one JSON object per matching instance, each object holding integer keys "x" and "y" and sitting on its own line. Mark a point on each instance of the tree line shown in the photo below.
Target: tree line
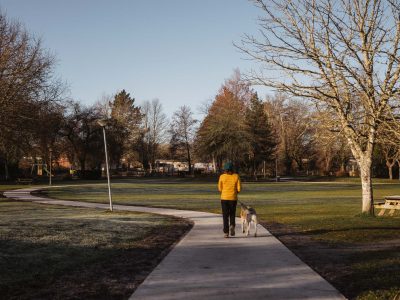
{"x": 335, "y": 68}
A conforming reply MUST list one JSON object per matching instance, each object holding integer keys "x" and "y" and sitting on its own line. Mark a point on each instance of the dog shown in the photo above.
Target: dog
{"x": 247, "y": 216}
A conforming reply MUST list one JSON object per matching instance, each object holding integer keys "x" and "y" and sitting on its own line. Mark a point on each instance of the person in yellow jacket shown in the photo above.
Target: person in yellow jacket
{"x": 229, "y": 187}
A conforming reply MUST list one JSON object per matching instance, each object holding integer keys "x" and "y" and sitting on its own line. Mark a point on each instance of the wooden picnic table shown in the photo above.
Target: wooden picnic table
{"x": 392, "y": 203}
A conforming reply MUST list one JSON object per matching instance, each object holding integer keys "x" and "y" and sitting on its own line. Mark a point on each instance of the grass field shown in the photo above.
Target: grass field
{"x": 54, "y": 252}
{"x": 328, "y": 210}
{"x": 359, "y": 255}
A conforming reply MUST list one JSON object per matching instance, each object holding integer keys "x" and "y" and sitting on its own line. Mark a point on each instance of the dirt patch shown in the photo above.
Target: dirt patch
{"x": 336, "y": 261}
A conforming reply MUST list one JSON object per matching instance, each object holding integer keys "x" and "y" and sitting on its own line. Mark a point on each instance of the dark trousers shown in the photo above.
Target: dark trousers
{"x": 228, "y": 213}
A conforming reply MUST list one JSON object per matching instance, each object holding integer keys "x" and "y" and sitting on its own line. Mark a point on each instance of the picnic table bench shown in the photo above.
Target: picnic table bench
{"x": 392, "y": 203}
{"x": 24, "y": 180}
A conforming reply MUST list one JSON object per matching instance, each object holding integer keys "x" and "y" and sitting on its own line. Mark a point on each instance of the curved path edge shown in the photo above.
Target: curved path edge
{"x": 204, "y": 265}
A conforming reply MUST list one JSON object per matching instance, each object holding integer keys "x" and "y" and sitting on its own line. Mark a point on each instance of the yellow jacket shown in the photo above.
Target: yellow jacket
{"x": 229, "y": 186}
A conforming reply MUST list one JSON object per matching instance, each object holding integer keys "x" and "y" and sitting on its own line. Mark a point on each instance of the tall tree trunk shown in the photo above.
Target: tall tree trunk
{"x": 366, "y": 184}
{"x": 364, "y": 161}
{"x": 189, "y": 158}
{"x": 398, "y": 163}
{"x": 214, "y": 165}
{"x": 6, "y": 170}
{"x": 328, "y": 160}
{"x": 288, "y": 164}
{"x": 390, "y": 169}
{"x": 254, "y": 169}
{"x": 83, "y": 168}
{"x": 342, "y": 167}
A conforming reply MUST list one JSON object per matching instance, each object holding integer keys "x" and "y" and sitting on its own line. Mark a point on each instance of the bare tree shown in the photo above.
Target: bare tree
{"x": 25, "y": 70}
{"x": 331, "y": 150}
{"x": 240, "y": 88}
{"x": 391, "y": 154}
{"x": 28, "y": 94}
{"x": 389, "y": 142}
{"x": 83, "y": 139}
{"x": 154, "y": 131}
{"x": 292, "y": 122}
{"x": 183, "y": 130}
{"x": 103, "y": 106}
{"x": 344, "y": 55}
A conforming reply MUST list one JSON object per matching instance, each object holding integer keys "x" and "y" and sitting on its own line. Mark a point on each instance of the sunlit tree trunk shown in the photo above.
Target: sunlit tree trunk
{"x": 214, "y": 164}
{"x": 390, "y": 165}
{"x": 366, "y": 184}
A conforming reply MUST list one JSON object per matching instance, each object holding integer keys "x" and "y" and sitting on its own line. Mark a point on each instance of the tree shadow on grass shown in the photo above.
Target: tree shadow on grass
{"x": 355, "y": 269}
{"x": 325, "y": 231}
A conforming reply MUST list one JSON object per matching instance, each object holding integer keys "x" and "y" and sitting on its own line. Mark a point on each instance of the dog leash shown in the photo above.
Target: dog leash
{"x": 241, "y": 203}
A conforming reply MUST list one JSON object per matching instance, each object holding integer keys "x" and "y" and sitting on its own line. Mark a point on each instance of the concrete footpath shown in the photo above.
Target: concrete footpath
{"x": 204, "y": 265}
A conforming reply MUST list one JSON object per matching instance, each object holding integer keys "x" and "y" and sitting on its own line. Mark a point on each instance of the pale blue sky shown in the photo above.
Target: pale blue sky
{"x": 179, "y": 51}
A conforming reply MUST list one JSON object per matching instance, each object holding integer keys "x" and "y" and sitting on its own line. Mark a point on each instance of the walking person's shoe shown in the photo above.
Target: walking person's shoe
{"x": 226, "y": 235}
{"x": 232, "y": 230}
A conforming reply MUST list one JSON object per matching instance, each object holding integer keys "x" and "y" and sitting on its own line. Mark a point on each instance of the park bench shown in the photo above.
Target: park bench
{"x": 24, "y": 180}
{"x": 392, "y": 203}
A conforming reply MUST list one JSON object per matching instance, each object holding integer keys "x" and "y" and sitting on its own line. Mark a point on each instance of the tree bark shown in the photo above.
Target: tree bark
{"x": 189, "y": 158}
{"x": 366, "y": 184}
{"x": 398, "y": 163}
{"x": 213, "y": 164}
{"x": 6, "y": 170}
{"x": 255, "y": 171}
{"x": 390, "y": 169}
{"x": 83, "y": 168}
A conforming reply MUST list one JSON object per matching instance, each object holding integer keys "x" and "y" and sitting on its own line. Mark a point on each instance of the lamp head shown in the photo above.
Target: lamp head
{"x": 102, "y": 122}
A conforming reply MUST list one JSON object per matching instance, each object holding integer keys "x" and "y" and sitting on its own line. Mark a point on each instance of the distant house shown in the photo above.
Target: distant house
{"x": 204, "y": 167}
{"x": 170, "y": 166}
{"x": 173, "y": 167}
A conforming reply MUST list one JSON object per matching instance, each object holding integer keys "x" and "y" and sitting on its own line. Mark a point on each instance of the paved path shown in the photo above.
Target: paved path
{"x": 204, "y": 265}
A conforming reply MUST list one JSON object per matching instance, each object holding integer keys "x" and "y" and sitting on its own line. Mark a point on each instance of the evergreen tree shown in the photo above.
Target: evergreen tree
{"x": 262, "y": 138}
{"x": 124, "y": 110}
{"x": 124, "y": 132}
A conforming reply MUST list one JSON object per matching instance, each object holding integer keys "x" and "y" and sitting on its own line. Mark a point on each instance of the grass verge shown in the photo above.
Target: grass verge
{"x": 54, "y": 252}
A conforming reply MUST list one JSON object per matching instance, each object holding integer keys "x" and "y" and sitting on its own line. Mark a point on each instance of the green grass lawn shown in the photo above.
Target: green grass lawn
{"x": 325, "y": 212}
{"x": 55, "y": 252}
{"x": 329, "y": 211}
{"x": 5, "y": 187}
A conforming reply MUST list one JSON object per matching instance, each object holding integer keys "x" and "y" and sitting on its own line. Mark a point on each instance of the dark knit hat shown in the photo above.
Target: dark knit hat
{"x": 228, "y": 166}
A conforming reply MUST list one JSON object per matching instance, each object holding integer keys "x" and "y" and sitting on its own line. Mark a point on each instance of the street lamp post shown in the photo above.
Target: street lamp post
{"x": 103, "y": 123}
{"x": 51, "y": 152}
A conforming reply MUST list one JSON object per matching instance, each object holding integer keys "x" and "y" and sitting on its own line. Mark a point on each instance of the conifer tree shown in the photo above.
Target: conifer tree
{"x": 126, "y": 118}
{"x": 262, "y": 138}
